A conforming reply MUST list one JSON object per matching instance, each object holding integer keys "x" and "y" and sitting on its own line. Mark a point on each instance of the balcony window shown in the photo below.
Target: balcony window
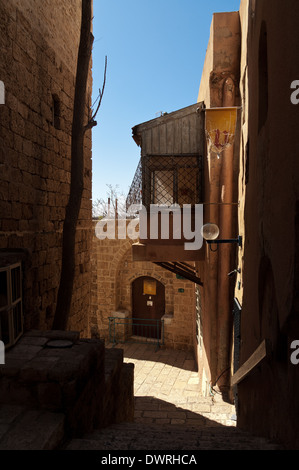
{"x": 170, "y": 170}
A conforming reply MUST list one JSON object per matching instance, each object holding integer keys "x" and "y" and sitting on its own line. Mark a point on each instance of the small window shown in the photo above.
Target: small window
{"x": 11, "y": 310}
{"x": 56, "y": 109}
{"x": 172, "y": 180}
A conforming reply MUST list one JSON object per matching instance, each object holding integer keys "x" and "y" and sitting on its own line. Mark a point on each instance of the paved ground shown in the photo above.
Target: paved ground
{"x": 169, "y": 412}
{"x": 166, "y": 389}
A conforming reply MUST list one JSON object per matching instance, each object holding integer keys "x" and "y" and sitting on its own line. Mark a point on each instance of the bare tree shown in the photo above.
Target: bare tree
{"x": 65, "y": 291}
{"x": 113, "y": 206}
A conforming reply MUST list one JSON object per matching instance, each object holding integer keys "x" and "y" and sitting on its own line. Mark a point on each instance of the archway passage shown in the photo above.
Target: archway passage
{"x": 148, "y": 306}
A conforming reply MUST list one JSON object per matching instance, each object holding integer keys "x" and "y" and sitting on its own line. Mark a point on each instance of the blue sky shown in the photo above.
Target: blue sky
{"x": 155, "y": 51}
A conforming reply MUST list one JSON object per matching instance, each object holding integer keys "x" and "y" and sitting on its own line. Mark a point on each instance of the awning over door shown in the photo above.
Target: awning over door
{"x": 183, "y": 270}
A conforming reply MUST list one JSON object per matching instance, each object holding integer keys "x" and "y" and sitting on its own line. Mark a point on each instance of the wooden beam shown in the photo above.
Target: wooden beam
{"x": 259, "y": 354}
{"x": 182, "y": 270}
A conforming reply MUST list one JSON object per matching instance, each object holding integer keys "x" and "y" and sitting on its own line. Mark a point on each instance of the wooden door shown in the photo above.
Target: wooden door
{"x": 148, "y": 307}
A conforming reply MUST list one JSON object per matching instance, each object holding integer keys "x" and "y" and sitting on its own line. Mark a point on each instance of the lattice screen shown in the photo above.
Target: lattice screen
{"x": 167, "y": 180}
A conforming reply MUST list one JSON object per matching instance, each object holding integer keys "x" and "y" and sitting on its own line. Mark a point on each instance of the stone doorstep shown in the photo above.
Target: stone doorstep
{"x": 30, "y": 429}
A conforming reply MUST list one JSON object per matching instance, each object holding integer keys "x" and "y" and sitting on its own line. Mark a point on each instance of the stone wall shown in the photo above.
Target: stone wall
{"x": 268, "y": 219}
{"x": 57, "y": 372}
{"x": 113, "y": 274}
{"x": 39, "y": 45}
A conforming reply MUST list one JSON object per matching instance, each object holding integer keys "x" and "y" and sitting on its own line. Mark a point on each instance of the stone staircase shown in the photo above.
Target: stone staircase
{"x": 53, "y": 392}
{"x": 155, "y": 437}
{"x": 205, "y": 424}
{"x": 23, "y": 429}
{"x": 163, "y": 420}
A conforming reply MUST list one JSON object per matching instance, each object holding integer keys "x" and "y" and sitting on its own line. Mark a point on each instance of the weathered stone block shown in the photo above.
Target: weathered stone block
{"x": 35, "y": 430}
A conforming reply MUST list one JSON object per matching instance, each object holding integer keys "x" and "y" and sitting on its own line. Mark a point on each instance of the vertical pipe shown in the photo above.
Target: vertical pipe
{"x": 225, "y": 251}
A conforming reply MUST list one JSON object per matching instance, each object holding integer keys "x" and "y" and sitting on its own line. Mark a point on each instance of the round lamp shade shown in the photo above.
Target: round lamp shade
{"x": 210, "y": 231}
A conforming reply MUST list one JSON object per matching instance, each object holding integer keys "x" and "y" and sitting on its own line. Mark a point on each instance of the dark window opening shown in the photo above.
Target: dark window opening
{"x": 56, "y": 109}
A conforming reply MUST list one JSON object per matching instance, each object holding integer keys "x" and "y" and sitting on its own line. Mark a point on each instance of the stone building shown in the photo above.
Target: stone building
{"x": 39, "y": 47}
{"x": 235, "y": 304}
{"x": 246, "y": 326}
{"x": 115, "y": 298}
{"x": 219, "y": 88}
{"x": 178, "y": 167}
{"x": 268, "y": 221}
{"x": 252, "y": 57}
{"x": 55, "y": 383}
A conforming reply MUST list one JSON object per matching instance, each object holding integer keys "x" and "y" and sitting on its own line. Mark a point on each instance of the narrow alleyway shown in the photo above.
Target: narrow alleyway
{"x": 170, "y": 414}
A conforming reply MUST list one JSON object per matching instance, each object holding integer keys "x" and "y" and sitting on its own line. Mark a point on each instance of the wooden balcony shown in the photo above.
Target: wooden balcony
{"x": 169, "y": 175}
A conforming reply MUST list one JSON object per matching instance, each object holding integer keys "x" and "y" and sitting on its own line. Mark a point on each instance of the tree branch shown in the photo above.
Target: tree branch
{"x": 65, "y": 291}
{"x": 92, "y": 123}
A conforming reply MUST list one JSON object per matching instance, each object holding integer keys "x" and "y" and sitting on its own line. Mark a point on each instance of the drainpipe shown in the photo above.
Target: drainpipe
{"x": 225, "y": 251}
{"x": 211, "y": 276}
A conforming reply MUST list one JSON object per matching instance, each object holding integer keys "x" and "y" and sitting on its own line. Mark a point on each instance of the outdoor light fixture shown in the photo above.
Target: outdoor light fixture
{"x": 210, "y": 232}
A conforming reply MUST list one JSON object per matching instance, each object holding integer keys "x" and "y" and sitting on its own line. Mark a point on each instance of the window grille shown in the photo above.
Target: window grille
{"x": 11, "y": 308}
{"x": 167, "y": 180}
{"x": 135, "y": 194}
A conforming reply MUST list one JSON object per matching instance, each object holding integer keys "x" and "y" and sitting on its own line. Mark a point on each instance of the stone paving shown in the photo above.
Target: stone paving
{"x": 166, "y": 389}
{"x": 170, "y": 414}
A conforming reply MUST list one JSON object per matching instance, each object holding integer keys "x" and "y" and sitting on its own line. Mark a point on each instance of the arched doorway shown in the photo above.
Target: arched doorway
{"x": 148, "y": 306}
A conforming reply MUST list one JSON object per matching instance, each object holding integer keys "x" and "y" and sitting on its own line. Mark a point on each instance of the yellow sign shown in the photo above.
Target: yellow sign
{"x": 220, "y": 128}
{"x": 149, "y": 287}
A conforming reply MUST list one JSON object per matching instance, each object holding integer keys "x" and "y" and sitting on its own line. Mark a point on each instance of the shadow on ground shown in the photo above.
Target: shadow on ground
{"x": 151, "y": 410}
{"x": 150, "y": 353}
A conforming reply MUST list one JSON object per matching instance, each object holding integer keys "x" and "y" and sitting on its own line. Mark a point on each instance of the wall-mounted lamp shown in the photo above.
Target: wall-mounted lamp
{"x": 211, "y": 231}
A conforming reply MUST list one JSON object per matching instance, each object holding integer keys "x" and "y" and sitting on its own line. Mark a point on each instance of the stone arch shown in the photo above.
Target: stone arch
{"x": 113, "y": 273}
{"x": 127, "y": 271}
{"x": 143, "y": 273}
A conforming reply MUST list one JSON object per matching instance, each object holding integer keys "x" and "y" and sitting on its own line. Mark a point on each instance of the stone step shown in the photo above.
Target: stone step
{"x": 150, "y": 410}
{"x": 23, "y": 429}
{"x": 137, "y": 436}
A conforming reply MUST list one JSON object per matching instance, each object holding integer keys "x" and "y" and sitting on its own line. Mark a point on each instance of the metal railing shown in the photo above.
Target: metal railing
{"x": 136, "y": 330}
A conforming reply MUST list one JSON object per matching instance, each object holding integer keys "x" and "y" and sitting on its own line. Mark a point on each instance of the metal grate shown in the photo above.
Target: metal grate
{"x": 135, "y": 194}
{"x": 167, "y": 180}
{"x": 136, "y": 330}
